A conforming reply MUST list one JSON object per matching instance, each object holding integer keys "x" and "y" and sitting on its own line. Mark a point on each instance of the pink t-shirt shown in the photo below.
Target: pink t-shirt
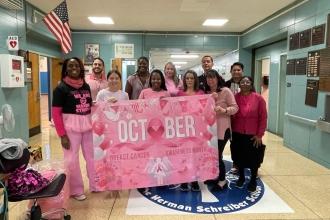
{"x": 149, "y": 93}
{"x": 251, "y": 117}
{"x": 183, "y": 93}
{"x": 96, "y": 84}
{"x": 172, "y": 88}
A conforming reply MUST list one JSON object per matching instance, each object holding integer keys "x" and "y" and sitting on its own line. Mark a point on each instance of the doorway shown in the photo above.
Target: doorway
{"x": 34, "y": 96}
{"x": 261, "y": 78}
{"x": 126, "y": 67}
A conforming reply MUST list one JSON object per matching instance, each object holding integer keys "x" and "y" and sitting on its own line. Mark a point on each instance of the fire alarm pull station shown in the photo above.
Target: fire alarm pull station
{"x": 12, "y": 71}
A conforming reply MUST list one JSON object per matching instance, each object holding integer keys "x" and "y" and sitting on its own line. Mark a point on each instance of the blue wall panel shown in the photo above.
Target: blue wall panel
{"x": 12, "y": 23}
{"x": 304, "y": 138}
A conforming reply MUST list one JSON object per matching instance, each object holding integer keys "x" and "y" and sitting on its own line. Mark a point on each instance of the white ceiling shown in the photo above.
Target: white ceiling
{"x": 166, "y": 15}
{"x": 159, "y": 57}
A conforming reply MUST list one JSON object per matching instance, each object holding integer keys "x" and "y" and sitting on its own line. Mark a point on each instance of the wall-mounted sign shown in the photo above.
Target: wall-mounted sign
{"x": 124, "y": 50}
{"x": 290, "y": 67}
{"x": 313, "y": 64}
{"x": 305, "y": 38}
{"x": 92, "y": 51}
{"x": 12, "y": 43}
{"x": 301, "y": 65}
{"x": 294, "y": 41}
{"x": 312, "y": 91}
{"x": 318, "y": 34}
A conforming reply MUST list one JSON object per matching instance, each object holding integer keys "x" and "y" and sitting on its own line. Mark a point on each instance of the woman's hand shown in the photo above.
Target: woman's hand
{"x": 219, "y": 109}
{"x": 257, "y": 141}
{"x": 65, "y": 141}
{"x": 214, "y": 95}
{"x": 112, "y": 99}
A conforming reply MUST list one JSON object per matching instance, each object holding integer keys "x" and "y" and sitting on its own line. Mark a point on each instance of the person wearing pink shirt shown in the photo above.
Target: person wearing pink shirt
{"x": 173, "y": 83}
{"x": 71, "y": 111}
{"x": 225, "y": 107}
{"x": 248, "y": 126}
{"x": 157, "y": 86}
{"x": 96, "y": 80}
{"x": 190, "y": 84}
{"x": 190, "y": 87}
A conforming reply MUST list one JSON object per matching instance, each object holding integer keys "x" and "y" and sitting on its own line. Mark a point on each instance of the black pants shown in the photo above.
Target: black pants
{"x": 221, "y": 147}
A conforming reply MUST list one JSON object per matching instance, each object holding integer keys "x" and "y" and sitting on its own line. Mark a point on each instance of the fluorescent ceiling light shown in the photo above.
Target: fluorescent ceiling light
{"x": 182, "y": 56}
{"x": 178, "y": 67}
{"x": 101, "y": 20}
{"x": 179, "y": 62}
{"x": 215, "y": 22}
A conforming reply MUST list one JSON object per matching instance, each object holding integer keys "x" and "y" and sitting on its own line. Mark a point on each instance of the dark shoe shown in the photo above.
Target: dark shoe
{"x": 184, "y": 187}
{"x": 219, "y": 188}
{"x": 211, "y": 182}
{"x": 195, "y": 187}
{"x": 252, "y": 186}
{"x": 240, "y": 182}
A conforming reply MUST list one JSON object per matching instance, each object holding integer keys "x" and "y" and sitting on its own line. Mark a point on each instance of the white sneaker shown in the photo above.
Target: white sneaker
{"x": 80, "y": 197}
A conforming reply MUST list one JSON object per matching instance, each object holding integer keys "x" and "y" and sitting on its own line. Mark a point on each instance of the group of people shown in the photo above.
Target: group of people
{"x": 240, "y": 111}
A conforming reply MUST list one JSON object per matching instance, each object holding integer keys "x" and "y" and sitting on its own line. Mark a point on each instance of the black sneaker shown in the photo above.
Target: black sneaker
{"x": 184, "y": 187}
{"x": 195, "y": 187}
{"x": 219, "y": 188}
{"x": 211, "y": 182}
{"x": 252, "y": 186}
{"x": 240, "y": 182}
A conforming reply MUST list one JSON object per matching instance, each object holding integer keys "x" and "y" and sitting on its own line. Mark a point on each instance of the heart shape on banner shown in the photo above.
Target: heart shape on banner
{"x": 203, "y": 102}
{"x": 155, "y": 128}
{"x": 162, "y": 103}
{"x": 13, "y": 43}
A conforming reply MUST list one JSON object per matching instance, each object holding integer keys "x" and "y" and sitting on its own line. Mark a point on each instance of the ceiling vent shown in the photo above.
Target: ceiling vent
{"x": 12, "y": 4}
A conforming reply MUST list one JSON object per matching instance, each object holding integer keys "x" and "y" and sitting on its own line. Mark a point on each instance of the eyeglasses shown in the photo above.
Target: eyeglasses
{"x": 245, "y": 82}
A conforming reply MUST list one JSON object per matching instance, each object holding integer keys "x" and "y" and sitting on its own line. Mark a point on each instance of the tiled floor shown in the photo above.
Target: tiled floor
{"x": 303, "y": 184}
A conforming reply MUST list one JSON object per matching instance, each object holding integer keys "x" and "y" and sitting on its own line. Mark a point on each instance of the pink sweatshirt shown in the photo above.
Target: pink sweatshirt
{"x": 252, "y": 115}
{"x": 172, "y": 88}
{"x": 225, "y": 100}
{"x": 149, "y": 93}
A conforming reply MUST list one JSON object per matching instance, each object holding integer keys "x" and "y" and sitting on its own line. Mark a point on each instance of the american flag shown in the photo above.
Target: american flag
{"x": 57, "y": 22}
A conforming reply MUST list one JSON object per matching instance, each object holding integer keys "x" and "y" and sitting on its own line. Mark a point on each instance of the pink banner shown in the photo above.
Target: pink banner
{"x": 143, "y": 143}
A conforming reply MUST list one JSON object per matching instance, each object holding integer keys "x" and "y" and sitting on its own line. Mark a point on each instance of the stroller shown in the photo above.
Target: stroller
{"x": 51, "y": 190}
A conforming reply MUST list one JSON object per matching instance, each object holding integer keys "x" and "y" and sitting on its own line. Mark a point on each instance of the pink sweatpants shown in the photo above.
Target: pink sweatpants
{"x": 71, "y": 158}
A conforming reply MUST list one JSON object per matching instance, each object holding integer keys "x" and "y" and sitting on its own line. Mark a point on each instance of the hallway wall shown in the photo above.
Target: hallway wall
{"x": 299, "y": 135}
{"x": 13, "y": 23}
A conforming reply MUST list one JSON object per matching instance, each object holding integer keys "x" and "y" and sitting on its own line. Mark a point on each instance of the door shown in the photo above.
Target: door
{"x": 56, "y": 69}
{"x": 55, "y": 76}
{"x": 34, "y": 97}
{"x": 128, "y": 68}
{"x": 281, "y": 110}
{"x": 116, "y": 64}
